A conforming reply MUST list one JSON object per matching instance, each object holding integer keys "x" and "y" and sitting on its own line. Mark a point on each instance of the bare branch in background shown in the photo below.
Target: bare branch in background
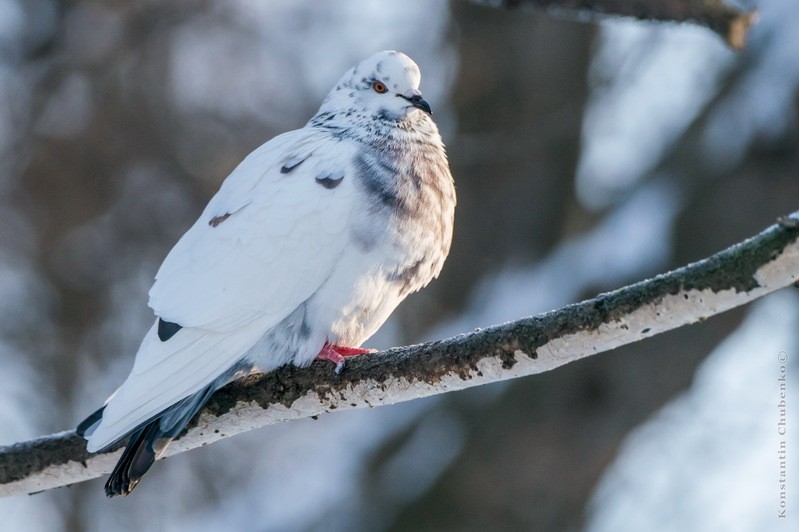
{"x": 736, "y": 276}
{"x": 730, "y": 23}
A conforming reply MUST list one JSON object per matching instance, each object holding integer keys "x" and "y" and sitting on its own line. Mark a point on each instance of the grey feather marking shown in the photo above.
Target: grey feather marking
{"x": 386, "y": 116}
{"x": 408, "y": 277}
{"x": 379, "y": 179}
{"x": 406, "y": 274}
{"x": 285, "y": 338}
{"x": 330, "y": 180}
{"x": 216, "y": 220}
{"x": 292, "y": 163}
{"x": 167, "y": 329}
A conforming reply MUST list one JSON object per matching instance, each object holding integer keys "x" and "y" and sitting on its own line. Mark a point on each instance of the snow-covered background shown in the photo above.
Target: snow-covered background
{"x": 586, "y": 157}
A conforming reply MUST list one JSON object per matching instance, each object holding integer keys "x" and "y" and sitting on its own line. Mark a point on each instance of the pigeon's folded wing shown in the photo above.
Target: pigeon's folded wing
{"x": 266, "y": 242}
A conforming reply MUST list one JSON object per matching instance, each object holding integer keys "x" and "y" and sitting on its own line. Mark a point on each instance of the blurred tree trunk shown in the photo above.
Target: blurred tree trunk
{"x": 519, "y": 98}
{"x": 512, "y": 106}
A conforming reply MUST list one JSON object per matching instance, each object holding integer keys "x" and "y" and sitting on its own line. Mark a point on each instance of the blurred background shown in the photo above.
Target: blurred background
{"x": 586, "y": 156}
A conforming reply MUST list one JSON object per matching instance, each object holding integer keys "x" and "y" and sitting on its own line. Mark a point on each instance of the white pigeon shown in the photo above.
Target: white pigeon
{"x": 306, "y": 249}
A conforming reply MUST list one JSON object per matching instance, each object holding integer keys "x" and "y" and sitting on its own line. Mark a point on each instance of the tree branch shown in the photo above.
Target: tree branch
{"x": 744, "y": 272}
{"x": 730, "y": 23}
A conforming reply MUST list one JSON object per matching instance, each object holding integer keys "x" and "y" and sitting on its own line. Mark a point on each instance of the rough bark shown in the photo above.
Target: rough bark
{"x": 744, "y": 272}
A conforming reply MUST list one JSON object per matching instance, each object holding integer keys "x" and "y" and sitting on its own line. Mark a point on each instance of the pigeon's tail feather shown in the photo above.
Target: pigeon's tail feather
{"x": 87, "y": 426}
{"x": 148, "y": 441}
{"x": 138, "y": 457}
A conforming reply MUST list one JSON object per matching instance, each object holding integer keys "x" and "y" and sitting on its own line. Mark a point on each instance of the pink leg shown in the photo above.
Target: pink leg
{"x": 336, "y": 354}
{"x": 350, "y": 351}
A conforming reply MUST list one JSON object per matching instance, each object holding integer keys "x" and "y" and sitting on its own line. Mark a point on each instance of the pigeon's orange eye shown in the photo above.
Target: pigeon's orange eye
{"x": 379, "y": 87}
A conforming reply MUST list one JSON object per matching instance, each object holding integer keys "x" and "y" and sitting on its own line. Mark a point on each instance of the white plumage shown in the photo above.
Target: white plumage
{"x": 312, "y": 240}
{"x": 227, "y": 285}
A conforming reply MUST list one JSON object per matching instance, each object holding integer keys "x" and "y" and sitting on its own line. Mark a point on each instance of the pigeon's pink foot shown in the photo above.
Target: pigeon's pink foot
{"x": 336, "y": 353}
{"x": 350, "y": 351}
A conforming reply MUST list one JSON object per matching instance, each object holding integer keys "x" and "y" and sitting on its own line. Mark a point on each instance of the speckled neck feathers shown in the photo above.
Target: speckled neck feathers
{"x": 402, "y": 164}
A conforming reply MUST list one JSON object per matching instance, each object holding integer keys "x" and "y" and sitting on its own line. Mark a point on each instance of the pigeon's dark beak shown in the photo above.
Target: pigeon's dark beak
{"x": 417, "y": 101}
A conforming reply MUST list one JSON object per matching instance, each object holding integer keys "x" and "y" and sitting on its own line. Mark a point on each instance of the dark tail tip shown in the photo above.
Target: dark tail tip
{"x": 136, "y": 460}
{"x": 150, "y": 440}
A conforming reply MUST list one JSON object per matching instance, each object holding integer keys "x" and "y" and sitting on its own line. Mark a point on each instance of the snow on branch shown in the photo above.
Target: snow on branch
{"x": 744, "y": 272}
{"x": 730, "y": 23}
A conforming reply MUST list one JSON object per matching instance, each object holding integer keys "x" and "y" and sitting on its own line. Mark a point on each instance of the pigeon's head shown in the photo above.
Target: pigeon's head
{"x": 385, "y": 86}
